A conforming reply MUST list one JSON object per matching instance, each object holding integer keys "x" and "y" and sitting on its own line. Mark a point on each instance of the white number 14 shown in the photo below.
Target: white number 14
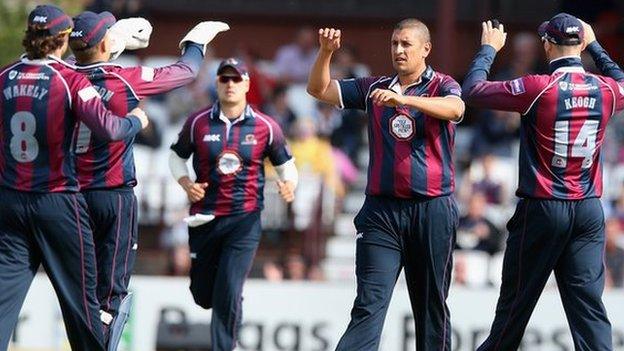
{"x": 584, "y": 145}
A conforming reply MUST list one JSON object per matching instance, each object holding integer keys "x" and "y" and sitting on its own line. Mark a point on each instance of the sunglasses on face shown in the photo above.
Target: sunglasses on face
{"x": 226, "y": 79}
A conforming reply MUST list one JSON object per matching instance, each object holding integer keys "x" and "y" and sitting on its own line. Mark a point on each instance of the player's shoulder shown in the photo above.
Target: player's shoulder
{"x": 11, "y": 66}
{"x": 443, "y": 77}
{"x": 67, "y": 72}
{"x": 266, "y": 121}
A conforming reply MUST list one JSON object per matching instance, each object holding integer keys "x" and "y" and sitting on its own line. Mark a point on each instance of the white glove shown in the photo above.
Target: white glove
{"x": 203, "y": 33}
{"x": 129, "y": 34}
{"x": 198, "y": 219}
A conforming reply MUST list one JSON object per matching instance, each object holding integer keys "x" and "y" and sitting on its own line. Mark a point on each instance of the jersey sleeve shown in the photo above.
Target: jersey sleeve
{"x": 183, "y": 146}
{"x": 618, "y": 91}
{"x": 513, "y": 95}
{"x": 353, "y": 92}
{"x": 450, "y": 87}
{"x": 87, "y": 105}
{"x": 147, "y": 81}
{"x": 278, "y": 150}
{"x": 604, "y": 63}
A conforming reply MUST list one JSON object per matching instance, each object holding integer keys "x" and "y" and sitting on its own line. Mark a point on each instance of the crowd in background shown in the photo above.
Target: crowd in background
{"x": 330, "y": 149}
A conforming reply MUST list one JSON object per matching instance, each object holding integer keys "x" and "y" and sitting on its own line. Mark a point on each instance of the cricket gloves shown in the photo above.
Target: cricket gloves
{"x": 203, "y": 33}
{"x": 130, "y": 34}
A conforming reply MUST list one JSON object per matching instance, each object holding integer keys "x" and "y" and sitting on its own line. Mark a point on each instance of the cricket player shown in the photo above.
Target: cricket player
{"x": 43, "y": 217}
{"x": 409, "y": 217}
{"x": 229, "y": 142}
{"x": 106, "y": 169}
{"x": 559, "y": 222}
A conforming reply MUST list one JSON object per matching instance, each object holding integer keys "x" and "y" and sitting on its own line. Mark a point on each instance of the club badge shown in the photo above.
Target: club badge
{"x": 229, "y": 162}
{"x": 402, "y": 127}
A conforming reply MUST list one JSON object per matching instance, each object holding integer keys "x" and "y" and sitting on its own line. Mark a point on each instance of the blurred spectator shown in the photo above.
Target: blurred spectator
{"x": 175, "y": 240}
{"x": 327, "y": 118}
{"x": 347, "y": 65}
{"x": 293, "y": 61}
{"x": 614, "y": 254}
{"x": 295, "y": 268}
{"x": 314, "y": 155}
{"x": 497, "y": 130}
{"x": 475, "y": 232}
{"x": 488, "y": 184}
{"x": 526, "y": 51}
{"x": 348, "y": 136}
{"x": 278, "y": 108}
{"x": 200, "y": 93}
{"x": 261, "y": 85}
{"x": 272, "y": 271}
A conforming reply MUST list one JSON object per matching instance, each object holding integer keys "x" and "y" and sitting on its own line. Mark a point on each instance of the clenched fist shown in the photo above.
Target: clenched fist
{"x": 329, "y": 39}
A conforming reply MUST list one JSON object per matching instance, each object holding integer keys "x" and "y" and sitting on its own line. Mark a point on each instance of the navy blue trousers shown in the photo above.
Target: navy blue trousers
{"x": 113, "y": 215}
{"x": 418, "y": 235}
{"x": 53, "y": 230}
{"x": 564, "y": 236}
{"x": 222, "y": 253}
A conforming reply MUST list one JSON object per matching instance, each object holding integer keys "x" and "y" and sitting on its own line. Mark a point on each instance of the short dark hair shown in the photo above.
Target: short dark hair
{"x": 82, "y": 52}
{"x": 416, "y": 24}
{"x": 39, "y": 43}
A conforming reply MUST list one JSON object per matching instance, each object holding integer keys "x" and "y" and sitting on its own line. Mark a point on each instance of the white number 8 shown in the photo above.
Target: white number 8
{"x": 24, "y": 145}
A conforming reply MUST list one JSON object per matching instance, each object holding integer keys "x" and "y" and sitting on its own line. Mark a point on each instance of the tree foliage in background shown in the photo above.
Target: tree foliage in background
{"x": 13, "y": 15}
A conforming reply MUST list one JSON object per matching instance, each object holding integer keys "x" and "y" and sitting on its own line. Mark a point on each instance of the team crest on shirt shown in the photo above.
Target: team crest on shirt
{"x": 229, "y": 162}
{"x": 250, "y": 139}
{"x": 402, "y": 126}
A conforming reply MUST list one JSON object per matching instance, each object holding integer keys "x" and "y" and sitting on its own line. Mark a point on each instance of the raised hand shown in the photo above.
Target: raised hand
{"x": 588, "y": 34}
{"x": 495, "y": 37}
{"x": 329, "y": 39}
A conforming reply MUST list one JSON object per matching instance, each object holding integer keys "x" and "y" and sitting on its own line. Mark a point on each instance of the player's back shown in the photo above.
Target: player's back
{"x": 104, "y": 164}
{"x": 562, "y": 134}
{"x": 36, "y": 127}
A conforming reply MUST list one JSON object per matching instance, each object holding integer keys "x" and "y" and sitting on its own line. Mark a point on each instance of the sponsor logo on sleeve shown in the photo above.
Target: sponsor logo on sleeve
{"x": 147, "y": 74}
{"x": 621, "y": 88}
{"x": 517, "y": 87}
{"x": 12, "y": 75}
{"x": 88, "y": 93}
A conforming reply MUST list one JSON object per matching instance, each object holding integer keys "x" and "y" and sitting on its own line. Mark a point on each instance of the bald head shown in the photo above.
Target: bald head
{"x": 418, "y": 26}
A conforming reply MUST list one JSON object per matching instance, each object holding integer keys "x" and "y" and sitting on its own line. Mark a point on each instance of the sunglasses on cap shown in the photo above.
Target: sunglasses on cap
{"x": 226, "y": 79}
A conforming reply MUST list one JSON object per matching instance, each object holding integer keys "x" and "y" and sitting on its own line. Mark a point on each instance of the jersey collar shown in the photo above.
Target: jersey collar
{"x": 97, "y": 65}
{"x": 248, "y": 112}
{"x": 425, "y": 78}
{"x": 567, "y": 64}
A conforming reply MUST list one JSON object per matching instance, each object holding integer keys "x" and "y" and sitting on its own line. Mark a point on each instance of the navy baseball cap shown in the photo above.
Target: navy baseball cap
{"x": 90, "y": 28}
{"x": 239, "y": 66}
{"x": 50, "y": 18}
{"x": 563, "y": 29}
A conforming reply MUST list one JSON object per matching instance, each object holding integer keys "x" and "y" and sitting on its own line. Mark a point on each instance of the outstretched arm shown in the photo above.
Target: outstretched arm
{"x": 320, "y": 84}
